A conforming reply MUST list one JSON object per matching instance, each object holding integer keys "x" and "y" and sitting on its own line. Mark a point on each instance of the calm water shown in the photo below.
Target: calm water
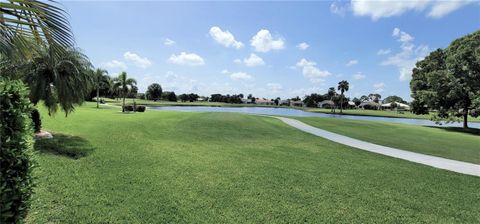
{"x": 301, "y": 113}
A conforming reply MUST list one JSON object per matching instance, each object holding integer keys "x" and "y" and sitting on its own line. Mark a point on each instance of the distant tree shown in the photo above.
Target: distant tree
{"x": 364, "y": 98}
{"x": 393, "y": 105}
{"x": 183, "y": 97}
{"x": 449, "y": 80}
{"x": 391, "y": 99}
{"x": 297, "y": 98}
{"x": 101, "y": 77}
{"x": 154, "y": 91}
{"x": 375, "y": 97}
{"x": 122, "y": 83}
{"x": 169, "y": 96}
{"x": 313, "y": 99}
{"x": 343, "y": 87}
{"x": 357, "y": 101}
{"x": 331, "y": 94}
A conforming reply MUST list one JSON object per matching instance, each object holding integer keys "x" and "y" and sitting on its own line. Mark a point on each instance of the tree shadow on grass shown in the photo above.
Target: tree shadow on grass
{"x": 65, "y": 145}
{"x": 472, "y": 131}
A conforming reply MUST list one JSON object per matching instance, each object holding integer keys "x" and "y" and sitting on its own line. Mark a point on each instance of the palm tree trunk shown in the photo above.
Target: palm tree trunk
{"x": 341, "y": 104}
{"x": 123, "y": 104}
{"x": 98, "y": 93}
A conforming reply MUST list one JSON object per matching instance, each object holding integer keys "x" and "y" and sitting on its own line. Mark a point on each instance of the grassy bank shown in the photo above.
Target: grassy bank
{"x": 447, "y": 142}
{"x": 159, "y": 167}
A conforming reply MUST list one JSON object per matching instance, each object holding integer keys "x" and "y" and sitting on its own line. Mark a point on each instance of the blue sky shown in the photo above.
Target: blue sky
{"x": 269, "y": 49}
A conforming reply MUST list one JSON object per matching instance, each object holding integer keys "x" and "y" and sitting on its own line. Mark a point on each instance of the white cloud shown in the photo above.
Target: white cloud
{"x": 240, "y": 76}
{"x": 405, "y": 59}
{"x": 384, "y": 51}
{"x": 275, "y": 87}
{"x": 168, "y": 42}
{"x": 305, "y": 91}
{"x": 303, "y": 46}
{"x": 442, "y": 8}
{"x": 137, "y": 60}
{"x": 184, "y": 58}
{"x": 352, "y": 62}
{"x": 337, "y": 8}
{"x": 237, "y": 61}
{"x": 253, "y": 61}
{"x": 379, "y": 87}
{"x": 225, "y": 71}
{"x": 359, "y": 76}
{"x": 386, "y": 8}
{"x": 309, "y": 70}
{"x": 115, "y": 64}
{"x": 264, "y": 42}
{"x": 224, "y": 38}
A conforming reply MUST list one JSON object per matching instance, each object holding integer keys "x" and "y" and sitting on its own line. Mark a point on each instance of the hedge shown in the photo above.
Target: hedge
{"x": 15, "y": 151}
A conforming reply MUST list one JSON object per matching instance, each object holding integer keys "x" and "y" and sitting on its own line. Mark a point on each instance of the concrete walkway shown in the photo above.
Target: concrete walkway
{"x": 438, "y": 162}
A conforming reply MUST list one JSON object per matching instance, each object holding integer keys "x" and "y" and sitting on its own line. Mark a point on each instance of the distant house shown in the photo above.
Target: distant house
{"x": 326, "y": 104}
{"x": 264, "y": 101}
{"x": 296, "y": 103}
{"x": 401, "y": 106}
{"x": 284, "y": 103}
{"x": 247, "y": 101}
{"x": 201, "y": 99}
{"x": 351, "y": 105}
{"x": 370, "y": 105}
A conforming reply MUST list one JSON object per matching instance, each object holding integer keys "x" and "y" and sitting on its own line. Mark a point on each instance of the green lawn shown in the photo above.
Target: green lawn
{"x": 159, "y": 167}
{"x": 381, "y": 113}
{"x": 450, "y": 143}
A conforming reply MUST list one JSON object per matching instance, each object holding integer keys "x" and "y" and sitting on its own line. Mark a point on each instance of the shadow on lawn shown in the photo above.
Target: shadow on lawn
{"x": 472, "y": 131}
{"x": 65, "y": 145}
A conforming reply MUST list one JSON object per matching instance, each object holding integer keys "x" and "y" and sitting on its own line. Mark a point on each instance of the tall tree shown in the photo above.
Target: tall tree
{"x": 449, "y": 80}
{"x": 343, "y": 87}
{"x": 122, "y": 83}
{"x": 332, "y": 94}
{"x": 391, "y": 99}
{"x": 101, "y": 78}
{"x": 154, "y": 92}
{"x": 375, "y": 97}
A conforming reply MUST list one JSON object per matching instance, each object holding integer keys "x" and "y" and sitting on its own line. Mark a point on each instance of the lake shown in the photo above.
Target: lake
{"x": 300, "y": 113}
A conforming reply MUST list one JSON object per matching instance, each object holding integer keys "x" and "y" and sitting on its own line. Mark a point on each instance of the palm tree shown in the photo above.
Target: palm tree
{"x": 343, "y": 87}
{"x": 62, "y": 80}
{"x": 331, "y": 93}
{"x": 122, "y": 83}
{"x": 22, "y": 22}
{"x": 101, "y": 81}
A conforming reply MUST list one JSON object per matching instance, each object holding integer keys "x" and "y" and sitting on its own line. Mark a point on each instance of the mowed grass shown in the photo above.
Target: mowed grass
{"x": 171, "y": 167}
{"x": 382, "y": 113}
{"x": 447, "y": 142}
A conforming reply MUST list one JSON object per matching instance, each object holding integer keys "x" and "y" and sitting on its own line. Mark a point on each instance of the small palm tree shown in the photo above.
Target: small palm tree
{"x": 122, "y": 83}
{"x": 101, "y": 78}
{"x": 331, "y": 93}
{"x": 343, "y": 87}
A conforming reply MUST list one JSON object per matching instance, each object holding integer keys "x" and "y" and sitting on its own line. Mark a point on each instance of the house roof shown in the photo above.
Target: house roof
{"x": 326, "y": 102}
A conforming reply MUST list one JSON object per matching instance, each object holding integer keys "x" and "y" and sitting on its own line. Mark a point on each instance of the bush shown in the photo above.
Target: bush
{"x": 141, "y": 108}
{"x": 37, "y": 122}
{"x": 128, "y": 108}
{"x": 15, "y": 152}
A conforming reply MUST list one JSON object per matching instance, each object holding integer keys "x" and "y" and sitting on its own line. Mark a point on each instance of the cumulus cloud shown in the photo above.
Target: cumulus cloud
{"x": 384, "y": 51}
{"x": 168, "y": 42}
{"x": 240, "y": 76}
{"x": 352, "y": 62}
{"x": 264, "y": 42}
{"x": 385, "y": 8}
{"x": 224, "y": 38}
{"x": 410, "y": 53}
{"x": 359, "y": 76}
{"x": 337, "y": 8}
{"x": 303, "y": 46}
{"x": 379, "y": 87}
{"x": 275, "y": 87}
{"x": 115, "y": 64}
{"x": 309, "y": 70}
{"x": 184, "y": 58}
{"x": 237, "y": 61}
{"x": 225, "y": 71}
{"x": 141, "y": 62}
{"x": 253, "y": 60}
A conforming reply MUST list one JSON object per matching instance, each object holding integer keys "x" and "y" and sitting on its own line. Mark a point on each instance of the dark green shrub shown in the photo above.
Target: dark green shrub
{"x": 128, "y": 108}
{"x": 141, "y": 108}
{"x": 37, "y": 122}
{"x": 15, "y": 151}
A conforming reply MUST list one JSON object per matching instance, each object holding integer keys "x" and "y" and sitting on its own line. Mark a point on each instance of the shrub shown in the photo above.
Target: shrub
{"x": 37, "y": 122}
{"x": 15, "y": 151}
{"x": 141, "y": 108}
{"x": 128, "y": 108}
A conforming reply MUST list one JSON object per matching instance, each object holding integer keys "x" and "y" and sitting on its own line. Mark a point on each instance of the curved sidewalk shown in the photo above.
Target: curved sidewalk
{"x": 438, "y": 162}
